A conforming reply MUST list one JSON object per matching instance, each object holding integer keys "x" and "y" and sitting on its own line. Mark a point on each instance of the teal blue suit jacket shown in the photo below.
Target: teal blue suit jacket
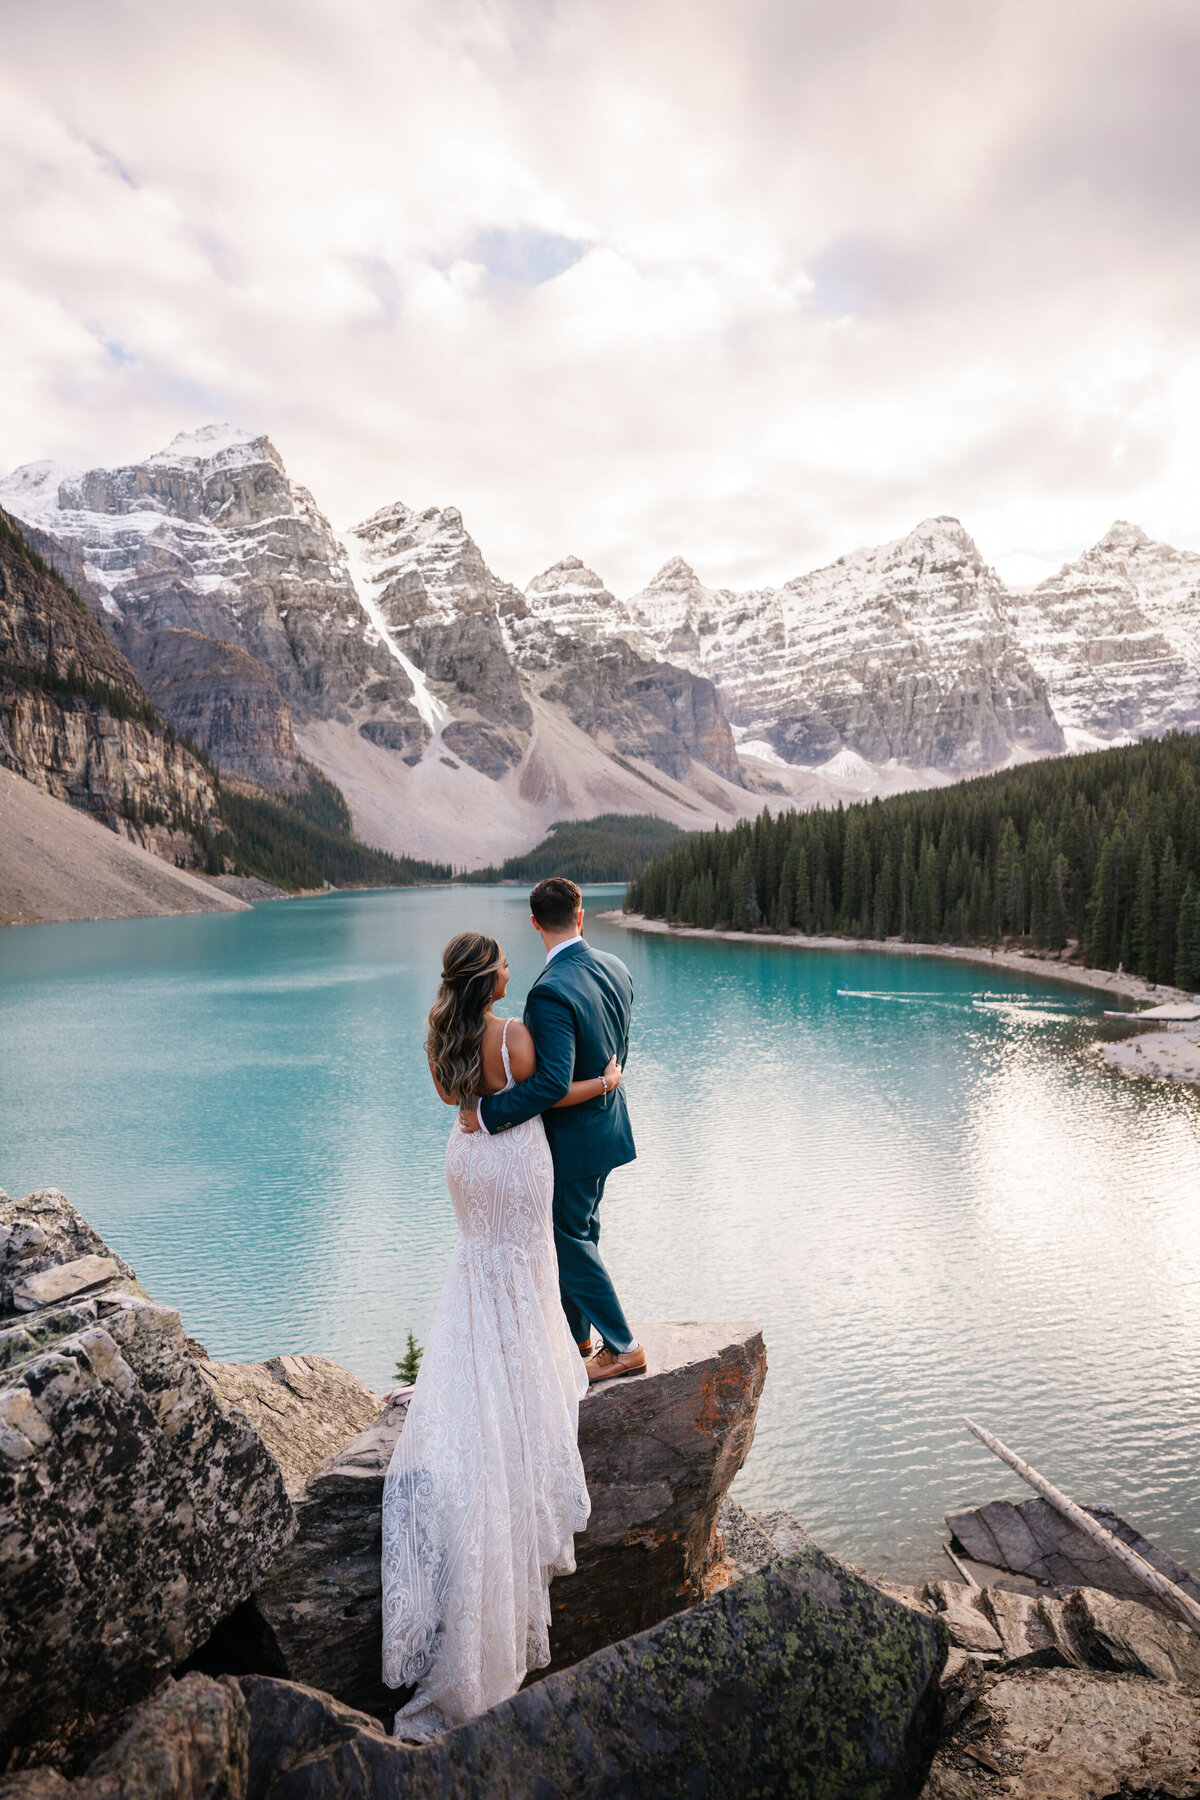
{"x": 578, "y": 1016}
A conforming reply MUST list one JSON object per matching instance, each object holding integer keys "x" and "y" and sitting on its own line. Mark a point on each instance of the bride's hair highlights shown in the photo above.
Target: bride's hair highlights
{"x": 454, "y": 1040}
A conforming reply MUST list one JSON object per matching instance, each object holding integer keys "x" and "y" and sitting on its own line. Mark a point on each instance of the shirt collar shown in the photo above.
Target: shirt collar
{"x": 565, "y": 945}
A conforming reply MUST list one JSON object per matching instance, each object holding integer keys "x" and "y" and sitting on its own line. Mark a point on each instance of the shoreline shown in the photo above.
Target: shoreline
{"x": 1181, "y": 1063}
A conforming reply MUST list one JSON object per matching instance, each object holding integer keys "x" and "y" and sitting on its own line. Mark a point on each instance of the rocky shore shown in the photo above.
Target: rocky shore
{"x": 189, "y": 1564}
{"x": 189, "y": 1568}
{"x": 1171, "y": 1055}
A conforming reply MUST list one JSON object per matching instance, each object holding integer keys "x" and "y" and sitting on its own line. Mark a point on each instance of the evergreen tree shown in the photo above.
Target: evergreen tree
{"x": 410, "y": 1362}
{"x": 1104, "y": 908}
{"x": 785, "y": 911}
{"x": 1058, "y": 916}
{"x": 856, "y": 874}
{"x": 804, "y": 905}
{"x": 1187, "y": 954}
{"x": 1145, "y": 913}
{"x": 882, "y": 917}
{"x": 1168, "y": 913}
{"x": 907, "y": 876}
{"x": 1096, "y": 848}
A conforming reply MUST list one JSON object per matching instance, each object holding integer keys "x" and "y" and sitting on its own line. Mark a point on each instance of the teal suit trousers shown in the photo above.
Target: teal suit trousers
{"x": 586, "y": 1288}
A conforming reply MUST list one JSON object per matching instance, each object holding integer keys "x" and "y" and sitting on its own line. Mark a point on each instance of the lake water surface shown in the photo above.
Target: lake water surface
{"x": 933, "y": 1203}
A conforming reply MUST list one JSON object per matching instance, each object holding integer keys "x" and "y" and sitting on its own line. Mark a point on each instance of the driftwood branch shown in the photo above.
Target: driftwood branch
{"x": 1083, "y": 1521}
{"x": 961, "y": 1567}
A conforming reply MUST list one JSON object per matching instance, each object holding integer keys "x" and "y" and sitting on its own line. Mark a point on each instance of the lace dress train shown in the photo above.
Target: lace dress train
{"x": 485, "y": 1490}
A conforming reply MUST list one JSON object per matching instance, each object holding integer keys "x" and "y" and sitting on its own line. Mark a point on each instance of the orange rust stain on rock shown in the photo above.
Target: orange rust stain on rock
{"x": 719, "y": 1392}
{"x": 717, "y": 1577}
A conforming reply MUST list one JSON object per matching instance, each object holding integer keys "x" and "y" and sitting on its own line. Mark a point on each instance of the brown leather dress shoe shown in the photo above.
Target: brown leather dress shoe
{"x": 610, "y": 1365}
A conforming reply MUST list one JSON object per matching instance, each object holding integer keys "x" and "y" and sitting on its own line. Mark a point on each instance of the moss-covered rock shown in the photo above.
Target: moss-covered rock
{"x": 800, "y": 1680}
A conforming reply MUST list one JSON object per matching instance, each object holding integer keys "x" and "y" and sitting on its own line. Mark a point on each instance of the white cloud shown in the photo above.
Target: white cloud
{"x": 756, "y": 284}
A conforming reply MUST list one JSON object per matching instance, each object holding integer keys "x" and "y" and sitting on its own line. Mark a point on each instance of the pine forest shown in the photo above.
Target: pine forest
{"x": 1098, "y": 854}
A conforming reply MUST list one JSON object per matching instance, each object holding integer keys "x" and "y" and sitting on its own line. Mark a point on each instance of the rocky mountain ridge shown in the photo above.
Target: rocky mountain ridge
{"x": 75, "y": 722}
{"x": 462, "y": 715}
{"x": 394, "y": 658}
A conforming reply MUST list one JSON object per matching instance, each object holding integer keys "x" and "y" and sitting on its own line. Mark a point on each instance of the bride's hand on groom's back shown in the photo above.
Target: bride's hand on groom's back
{"x": 612, "y": 1074}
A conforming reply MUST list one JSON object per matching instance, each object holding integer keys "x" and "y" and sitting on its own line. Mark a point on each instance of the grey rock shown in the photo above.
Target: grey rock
{"x": 407, "y": 735}
{"x": 102, "y": 751}
{"x": 904, "y": 651}
{"x": 303, "y": 1407}
{"x": 190, "y": 1742}
{"x": 659, "y": 1450}
{"x": 43, "y": 1232}
{"x": 801, "y": 1679}
{"x": 1115, "y": 636}
{"x": 743, "y": 1547}
{"x": 1070, "y": 1734}
{"x": 484, "y": 747}
{"x": 135, "y": 1511}
{"x": 63, "y": 1283}
{"x": 966, "y": 1622}
{"x": 1034, "y": 1540}
{"x": 1031, "y": 1630}
{"x": 643, "y": 705}
{"x": 222, "y": 698}
{"x": 237, "y": 608}
{"x": 1122, "y": 1635}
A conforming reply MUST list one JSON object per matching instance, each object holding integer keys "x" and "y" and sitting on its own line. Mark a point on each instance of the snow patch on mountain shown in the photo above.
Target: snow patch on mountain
{"x": 207, "y": 442}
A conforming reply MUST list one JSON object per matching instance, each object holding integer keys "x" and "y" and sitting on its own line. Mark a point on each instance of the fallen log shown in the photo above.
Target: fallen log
{"x": 1181, "y": 1602}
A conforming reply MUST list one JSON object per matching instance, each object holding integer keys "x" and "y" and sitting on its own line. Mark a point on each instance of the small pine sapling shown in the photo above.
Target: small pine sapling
{"x": 410, "y": 1362}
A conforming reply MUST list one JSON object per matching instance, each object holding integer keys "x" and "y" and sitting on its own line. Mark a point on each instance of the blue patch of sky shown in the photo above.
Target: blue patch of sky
{"x": 524, "y": 257}
{"x": 117, "y": 353}
{"x": 112, "y": 164}
{"x": 861, "y": 275}
{"x": 226, "y": 263}
{"x": 199, "y": 401}
{"x": 378, "y": 275}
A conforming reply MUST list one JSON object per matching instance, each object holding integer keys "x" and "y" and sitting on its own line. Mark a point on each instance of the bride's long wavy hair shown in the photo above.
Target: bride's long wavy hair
{"x": 454, "y": 1039}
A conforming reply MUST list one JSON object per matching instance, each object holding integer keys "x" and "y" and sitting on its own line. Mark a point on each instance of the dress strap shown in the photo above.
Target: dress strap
{"x": 508, "y": 1074}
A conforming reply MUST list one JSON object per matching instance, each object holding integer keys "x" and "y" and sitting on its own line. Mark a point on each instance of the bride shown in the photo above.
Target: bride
{"x": 485, "y": 1490}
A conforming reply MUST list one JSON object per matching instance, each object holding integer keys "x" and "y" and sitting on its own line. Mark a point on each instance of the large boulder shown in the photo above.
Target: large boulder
{"x": 190, "y": 1742}
{"x": 303, "y": 1407}
{"x": 135, "y": 1510}
{"x": 1033, "y": 1539}
{"x": 799, "y": 1679}
{"x": 1071, "y": 1734}
{"x": 1046, "y": 1698}
{"x": 659, "y": 1450}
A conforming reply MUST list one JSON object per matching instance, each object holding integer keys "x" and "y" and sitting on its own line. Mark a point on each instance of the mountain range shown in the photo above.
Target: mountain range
{"x": 461, "y": 715}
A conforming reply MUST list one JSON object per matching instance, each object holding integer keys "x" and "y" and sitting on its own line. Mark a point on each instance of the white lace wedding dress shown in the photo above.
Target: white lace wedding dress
{"x": 485, "y": 1490}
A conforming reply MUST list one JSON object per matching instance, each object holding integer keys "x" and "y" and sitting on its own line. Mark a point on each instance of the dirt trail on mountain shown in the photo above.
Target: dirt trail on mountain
{"x": 56, "y": 863}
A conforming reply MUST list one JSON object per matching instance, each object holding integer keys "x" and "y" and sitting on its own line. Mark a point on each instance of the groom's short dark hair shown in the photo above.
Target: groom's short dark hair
{"x": 555, "y": 902}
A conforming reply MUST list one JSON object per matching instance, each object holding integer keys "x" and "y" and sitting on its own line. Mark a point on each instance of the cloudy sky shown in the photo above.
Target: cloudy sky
{"x": 751, "y": 281}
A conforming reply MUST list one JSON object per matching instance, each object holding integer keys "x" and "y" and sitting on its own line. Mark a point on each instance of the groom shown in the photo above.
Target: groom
{"x": 577, "y": 1013}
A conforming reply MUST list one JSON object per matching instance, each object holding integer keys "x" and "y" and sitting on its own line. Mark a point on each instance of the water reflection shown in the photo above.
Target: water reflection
{"x": 928, "y": 1190}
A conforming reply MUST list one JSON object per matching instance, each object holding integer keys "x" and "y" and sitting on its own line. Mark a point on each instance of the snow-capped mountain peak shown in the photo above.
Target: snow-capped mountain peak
{"x": 675, "y": 573}
{"x": 208, "y": 441}
{"x": 1121, "y": 536}
{"x": 32, "y": 489}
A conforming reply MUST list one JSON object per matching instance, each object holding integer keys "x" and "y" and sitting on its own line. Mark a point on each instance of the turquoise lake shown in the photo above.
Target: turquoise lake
{"x": 934, "y": 1203}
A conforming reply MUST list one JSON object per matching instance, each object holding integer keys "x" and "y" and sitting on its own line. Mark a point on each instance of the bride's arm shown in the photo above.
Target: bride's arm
{"x": 441, "y": 1090}
{"x": 593, "y": 1087}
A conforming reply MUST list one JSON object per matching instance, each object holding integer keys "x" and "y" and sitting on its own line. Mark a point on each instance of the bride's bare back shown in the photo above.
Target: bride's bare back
{"x": 521, "y": 1055}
